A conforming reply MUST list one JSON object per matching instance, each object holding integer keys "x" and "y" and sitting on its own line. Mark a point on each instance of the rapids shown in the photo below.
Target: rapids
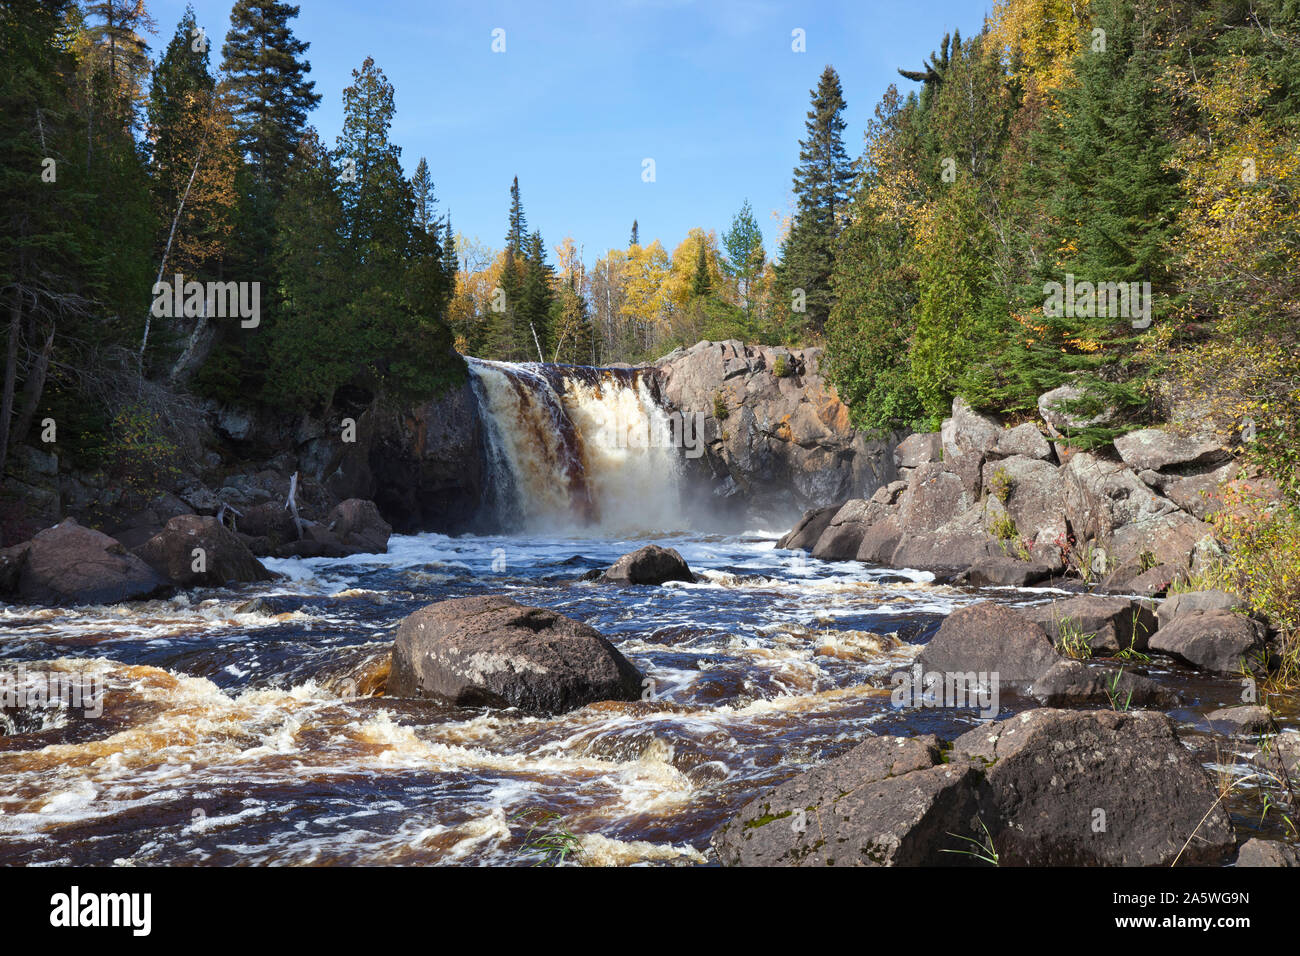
{"x": 240, "y": 725}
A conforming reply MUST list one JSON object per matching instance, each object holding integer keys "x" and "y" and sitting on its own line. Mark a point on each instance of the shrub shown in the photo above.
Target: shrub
{"x": 720, "y": 410}
{"x": 1263, "y": 560}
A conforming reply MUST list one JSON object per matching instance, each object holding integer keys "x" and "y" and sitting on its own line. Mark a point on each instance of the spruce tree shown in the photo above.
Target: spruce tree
{"x": 266, "y": 75}
{"x": 821, "y": 186}
{"x": 635, "y": 239}
{"x": 425, "y": 204}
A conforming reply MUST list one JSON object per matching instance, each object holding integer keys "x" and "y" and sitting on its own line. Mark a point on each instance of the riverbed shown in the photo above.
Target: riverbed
{"x": 238, "y": 726}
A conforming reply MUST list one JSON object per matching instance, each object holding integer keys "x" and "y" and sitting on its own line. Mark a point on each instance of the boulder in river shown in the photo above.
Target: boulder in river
{"x": 490, "y": 651}
{"x": 1256, "y": 852}
{"x": 199, "y": 551}
{"x": 69, "y": 564}
{"x": 1096, "y": 788}
{"x": 1215, "y": 640}
{"x": 990, "y": 638}
{"x": 358, "y": 525}
{"x": 649, "y": 565}
{"x": 887, "y": 802}
{"x": 1074, "y": 683}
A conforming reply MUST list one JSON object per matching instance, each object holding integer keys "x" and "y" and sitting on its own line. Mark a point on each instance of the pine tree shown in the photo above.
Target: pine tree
{"x": 517, "y": 234}
{"x": 376, "y": 197}
{"x": 701, "y": 285}
{"x": 267, "y": 78}
{"x": 115, "y": 29}
{"x": 536, "y": 297}
{"x": 635, "y": 239}
{"x": 426, "y": 216}
{"x": 745, "y": 256}
{"x": 821, "y": 186}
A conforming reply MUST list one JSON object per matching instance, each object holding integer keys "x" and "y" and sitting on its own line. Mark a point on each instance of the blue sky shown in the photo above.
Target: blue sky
{"x": 710, "y": 89}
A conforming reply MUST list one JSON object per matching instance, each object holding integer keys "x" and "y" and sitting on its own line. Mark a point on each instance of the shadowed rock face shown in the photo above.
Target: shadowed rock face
{"x": 69, "y": 564}
{"x": 785, "y": 443}
{"x": 493, "y": 652}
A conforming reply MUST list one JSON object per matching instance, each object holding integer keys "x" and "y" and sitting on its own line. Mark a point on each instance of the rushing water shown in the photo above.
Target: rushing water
{"x": 228, "y": 735}
{"x": 241, "y": 726}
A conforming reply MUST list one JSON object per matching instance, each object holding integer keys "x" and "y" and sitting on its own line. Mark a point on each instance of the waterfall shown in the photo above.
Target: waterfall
{"x": 577, "y": 447}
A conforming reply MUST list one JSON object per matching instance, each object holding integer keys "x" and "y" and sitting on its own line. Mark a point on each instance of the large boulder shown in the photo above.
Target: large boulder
{"x": 1110, "y": 624}
{"x": 1024, "y": 441}
{"x": 1171, "y": 539}
{"x": 879, "y": 541}
{"x": 1096, "y": 788}
{"x": 358, "y": 525}
{"x": 1007, "y": 572}
{"x": 490, "y": 651}
{"x": 1032, "y": 494}
{"x": 887, "y": 802}
{"x": 1217, "y": 640}
{"x": 649, "y": 565}
{"x": 68, "y": 564}
{"x": 1158, "y": 449}
{"x": 990, "y": 638}
{"x": 1102, "y": 495}
{"x": 198, "y": 551}
{"x": 843, "y": 536}
{"x": 808, "y": 529}
{"x": 1188, "y": 601}
{"x": 918, "y": 449}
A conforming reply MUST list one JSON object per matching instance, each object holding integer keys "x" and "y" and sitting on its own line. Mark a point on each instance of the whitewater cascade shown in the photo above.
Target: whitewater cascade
{"x": 572, "y": 446}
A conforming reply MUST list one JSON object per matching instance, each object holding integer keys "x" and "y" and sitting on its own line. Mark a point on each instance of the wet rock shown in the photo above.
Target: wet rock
{"x": 317, "y": 541}
{"x": 1157, "y": 449}
{"x": 1256, "y": 852}
{"x": 1096, "y": 788}
{"x": 1007, "y": 572}
{"x": 1189, "y": 601}
{"x": 650, "y": 565}
{"x": 1074, "y": 683}
{"x": 887, "y": 802}
{"x": 222, "y": 556}
{"x": 69, "y": 564}
{"x": 1243, "y": 719}
{"x": 809, "y": 528}
{"x": 1111, "y": 624}
{"x": 1281, "y": 754}
{"x": 1215, "y": 640}
{"x": 270, "y": 522}
{"x": 990, "y": 638}
{"x": 357, "y": 525}
{"x": 490, "y": 651}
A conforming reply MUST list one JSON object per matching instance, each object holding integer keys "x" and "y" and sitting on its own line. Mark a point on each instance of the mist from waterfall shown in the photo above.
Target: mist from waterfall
{"x": 572, "y": 448}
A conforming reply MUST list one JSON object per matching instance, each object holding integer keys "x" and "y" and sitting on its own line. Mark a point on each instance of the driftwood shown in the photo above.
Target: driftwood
{"x": 235, "y": 512}
{"x": 292, "y": 505}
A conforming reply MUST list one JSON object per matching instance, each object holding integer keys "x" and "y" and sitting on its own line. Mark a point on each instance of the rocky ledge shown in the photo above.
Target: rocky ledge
{"x": 980, "y": 503}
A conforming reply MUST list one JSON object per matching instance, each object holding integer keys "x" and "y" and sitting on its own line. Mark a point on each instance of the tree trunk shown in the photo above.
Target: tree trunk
{"x": 33, "y": 388}
{"x": 11, "y": 377}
